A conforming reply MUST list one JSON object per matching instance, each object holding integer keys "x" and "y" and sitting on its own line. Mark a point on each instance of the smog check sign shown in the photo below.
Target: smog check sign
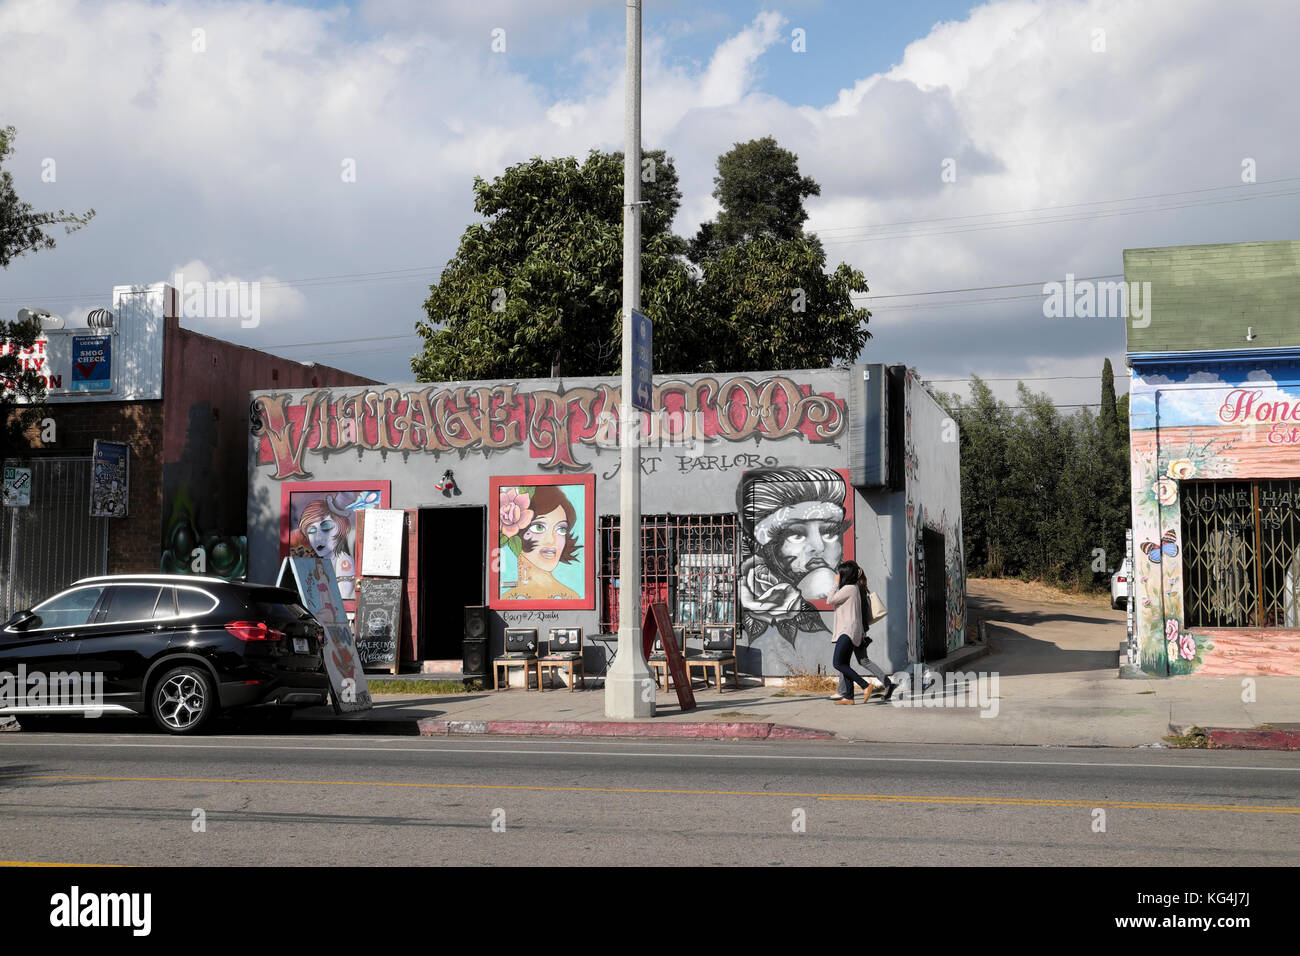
{"x": 92, "y": 363}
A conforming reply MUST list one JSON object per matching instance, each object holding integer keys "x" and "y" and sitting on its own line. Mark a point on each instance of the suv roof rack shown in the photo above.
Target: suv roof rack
{"x": 156, "y": 577}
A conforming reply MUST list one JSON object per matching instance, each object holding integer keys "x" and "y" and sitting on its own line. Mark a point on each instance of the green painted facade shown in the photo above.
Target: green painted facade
{"x": 1205, "y": 297}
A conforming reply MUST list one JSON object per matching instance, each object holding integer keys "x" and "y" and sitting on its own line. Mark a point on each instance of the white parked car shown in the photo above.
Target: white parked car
{"x": 1119, "y": 585}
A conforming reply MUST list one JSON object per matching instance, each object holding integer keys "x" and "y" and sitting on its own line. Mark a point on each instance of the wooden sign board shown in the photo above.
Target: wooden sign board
{"x": 379, "y": 621}
{"x": 659, "y": 624}
{"x": 382, "y": 532}
{"x": 315, "y": 582}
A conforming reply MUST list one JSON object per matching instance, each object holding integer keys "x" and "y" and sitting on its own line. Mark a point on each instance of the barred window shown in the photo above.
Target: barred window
{"x": 1241, "y": 559}
{"x": 688, "y": 562}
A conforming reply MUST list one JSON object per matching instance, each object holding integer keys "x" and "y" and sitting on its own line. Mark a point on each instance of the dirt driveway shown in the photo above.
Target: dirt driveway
{"x": 1033, "y": 629}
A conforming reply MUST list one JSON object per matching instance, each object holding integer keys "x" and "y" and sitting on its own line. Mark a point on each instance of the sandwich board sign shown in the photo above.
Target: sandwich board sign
{"x": 379, "y": 621}
{"x": 315, "y": 582}
{"x": 658, "y": 624}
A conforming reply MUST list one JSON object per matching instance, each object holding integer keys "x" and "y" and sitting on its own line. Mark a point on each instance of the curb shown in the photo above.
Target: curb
{"x": 1232, "y": 738}
{"x": 714, "y": 730}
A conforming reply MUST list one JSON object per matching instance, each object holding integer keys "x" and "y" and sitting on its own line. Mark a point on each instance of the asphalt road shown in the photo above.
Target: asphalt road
{"x": 109, "y": 798}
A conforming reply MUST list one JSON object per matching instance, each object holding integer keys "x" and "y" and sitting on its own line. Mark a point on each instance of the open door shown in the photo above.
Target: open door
{"x": 453, "y": 574}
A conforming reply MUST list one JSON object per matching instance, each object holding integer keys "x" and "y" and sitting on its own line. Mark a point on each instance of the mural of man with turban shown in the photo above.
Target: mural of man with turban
{"x": 793, "y": 522}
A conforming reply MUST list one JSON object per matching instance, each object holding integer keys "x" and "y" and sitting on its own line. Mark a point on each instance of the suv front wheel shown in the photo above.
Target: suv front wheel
{"x": 183, "y": 700}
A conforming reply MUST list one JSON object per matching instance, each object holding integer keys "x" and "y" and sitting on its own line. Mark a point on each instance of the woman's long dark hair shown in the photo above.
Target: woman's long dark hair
{"x": 850, "y": 573}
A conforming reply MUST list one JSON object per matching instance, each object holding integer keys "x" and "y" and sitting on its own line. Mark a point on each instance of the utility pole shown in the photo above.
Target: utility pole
{"x": 629, "y": 689}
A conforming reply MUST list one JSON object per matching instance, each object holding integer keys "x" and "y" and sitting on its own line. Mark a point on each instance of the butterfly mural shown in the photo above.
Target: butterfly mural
{"x": 1168, "y": 546}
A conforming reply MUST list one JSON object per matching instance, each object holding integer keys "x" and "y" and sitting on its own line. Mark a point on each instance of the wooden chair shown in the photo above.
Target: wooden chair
{"x": 658, "y": 659}
{"x": 719, "y": 651}
{"x": 564, "y": 649}
{"x": 521, "y": 648}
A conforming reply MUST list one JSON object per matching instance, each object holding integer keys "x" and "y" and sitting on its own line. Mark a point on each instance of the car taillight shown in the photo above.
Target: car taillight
{"x": 253, "y": 631}
{"x": 1121, "y": 580}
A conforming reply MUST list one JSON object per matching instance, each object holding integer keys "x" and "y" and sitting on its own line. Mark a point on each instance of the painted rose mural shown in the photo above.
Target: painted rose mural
{"x": 796, "y": 528}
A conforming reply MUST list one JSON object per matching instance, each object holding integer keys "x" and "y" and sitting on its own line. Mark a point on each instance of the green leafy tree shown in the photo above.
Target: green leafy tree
{"x": 537, "y": 287}
{"x": 22, "y": 230}
{"x": 770, "y": 304}
{"x": 761, "y": 193}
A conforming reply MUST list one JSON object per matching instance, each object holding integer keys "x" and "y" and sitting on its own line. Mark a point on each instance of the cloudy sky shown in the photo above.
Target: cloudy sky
{"x": 981, "y": 148}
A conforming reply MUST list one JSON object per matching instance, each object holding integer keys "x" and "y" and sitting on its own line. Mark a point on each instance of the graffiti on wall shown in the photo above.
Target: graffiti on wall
{"x": 952, "y": 577}
{"x": 187, "y": 550}
{"x": 797, "y": 526}
{"x": 318, "y": 520}
{"x": 543, "y": 526}
{"x": 553, "y": 424}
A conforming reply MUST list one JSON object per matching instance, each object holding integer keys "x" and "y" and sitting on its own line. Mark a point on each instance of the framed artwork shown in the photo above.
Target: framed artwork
{"x": 318, "y": 519}
{"x": 542, "y": 534}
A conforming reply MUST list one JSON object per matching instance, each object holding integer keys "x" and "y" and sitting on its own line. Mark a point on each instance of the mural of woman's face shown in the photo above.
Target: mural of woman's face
{"x": 546, "y": 536}
{"x": 323, "y": 536}
{"x": 810, "y": 551}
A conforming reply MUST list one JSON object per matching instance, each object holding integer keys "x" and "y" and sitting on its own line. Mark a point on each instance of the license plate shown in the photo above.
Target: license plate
{"x": 300, "y": 645}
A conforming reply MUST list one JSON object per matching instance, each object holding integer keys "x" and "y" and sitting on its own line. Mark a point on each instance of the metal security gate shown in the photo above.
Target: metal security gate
{"x": 1241, "y": 553}
{"x": 52, "y": 542}
{"x": 688, "y": 562}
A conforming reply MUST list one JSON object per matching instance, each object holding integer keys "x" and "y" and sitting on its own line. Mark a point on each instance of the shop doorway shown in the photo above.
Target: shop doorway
{"x": 932, "y": 596}
{"x": 452, "y": 570}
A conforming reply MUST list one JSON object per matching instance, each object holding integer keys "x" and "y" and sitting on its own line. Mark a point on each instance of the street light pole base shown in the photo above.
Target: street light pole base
{"x": 630, "y": 691}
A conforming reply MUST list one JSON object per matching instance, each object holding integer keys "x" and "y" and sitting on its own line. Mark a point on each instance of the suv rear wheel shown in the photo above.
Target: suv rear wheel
{"x": 183, "y": 700}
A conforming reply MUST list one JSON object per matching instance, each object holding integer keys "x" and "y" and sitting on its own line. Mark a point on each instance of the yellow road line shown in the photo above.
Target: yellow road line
{"x": 35, "y": 863}
{"x": 866, "y": 797}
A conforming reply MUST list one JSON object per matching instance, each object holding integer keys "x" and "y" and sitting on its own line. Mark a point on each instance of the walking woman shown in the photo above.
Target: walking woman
{"x": 850, "y": 601}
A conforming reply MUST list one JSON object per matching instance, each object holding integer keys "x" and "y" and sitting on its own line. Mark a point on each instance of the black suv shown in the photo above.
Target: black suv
{"x": 177, "y": 647}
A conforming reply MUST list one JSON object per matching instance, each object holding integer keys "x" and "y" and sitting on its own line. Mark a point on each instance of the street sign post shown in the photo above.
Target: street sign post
{"x": 643, "y": 361}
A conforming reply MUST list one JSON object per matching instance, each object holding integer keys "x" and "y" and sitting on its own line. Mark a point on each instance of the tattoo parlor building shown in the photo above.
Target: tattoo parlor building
{"x": 754, "y": 486}
{"x": 1215, "y": 439}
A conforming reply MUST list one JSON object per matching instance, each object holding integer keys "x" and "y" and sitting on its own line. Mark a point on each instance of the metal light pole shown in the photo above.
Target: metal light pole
{"x": 629, "y": 689}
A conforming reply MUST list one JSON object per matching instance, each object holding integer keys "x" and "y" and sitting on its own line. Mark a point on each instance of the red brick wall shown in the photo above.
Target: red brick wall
{"x": 206, "y": 382}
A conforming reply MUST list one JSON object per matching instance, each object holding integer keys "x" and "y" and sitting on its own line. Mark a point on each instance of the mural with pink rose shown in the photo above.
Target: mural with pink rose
{"x": 541, "y": 530}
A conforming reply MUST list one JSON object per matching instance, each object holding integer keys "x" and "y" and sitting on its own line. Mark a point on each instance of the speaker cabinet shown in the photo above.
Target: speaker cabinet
{"x": 474, "y": 646}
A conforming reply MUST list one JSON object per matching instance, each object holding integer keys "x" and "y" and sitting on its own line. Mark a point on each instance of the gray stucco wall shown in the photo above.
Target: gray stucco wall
{"x": 684, "y": 472}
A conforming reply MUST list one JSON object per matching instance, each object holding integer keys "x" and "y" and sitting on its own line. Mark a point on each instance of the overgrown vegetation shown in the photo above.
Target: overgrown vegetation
{"x": 1045, "y": 495}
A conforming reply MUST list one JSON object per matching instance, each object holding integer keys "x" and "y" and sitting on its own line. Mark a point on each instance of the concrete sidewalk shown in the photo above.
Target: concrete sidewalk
{"x": 1067, "y": 709}
{"x": 1056, "y": 667}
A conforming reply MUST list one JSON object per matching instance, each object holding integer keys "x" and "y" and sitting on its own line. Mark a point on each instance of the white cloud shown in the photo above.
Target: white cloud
{"x": 234, "y": 155}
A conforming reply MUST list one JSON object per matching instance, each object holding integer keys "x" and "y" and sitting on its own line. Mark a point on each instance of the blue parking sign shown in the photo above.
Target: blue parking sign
{"x": 642, "y": 361}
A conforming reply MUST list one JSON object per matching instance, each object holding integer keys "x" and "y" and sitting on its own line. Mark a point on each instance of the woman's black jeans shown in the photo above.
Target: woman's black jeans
{"x": 849, "y": 677}
{"x": 846, "y": 686}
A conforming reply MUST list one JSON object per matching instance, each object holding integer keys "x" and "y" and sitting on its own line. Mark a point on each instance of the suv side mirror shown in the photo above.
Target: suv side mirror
{"x": 23, "y": 621}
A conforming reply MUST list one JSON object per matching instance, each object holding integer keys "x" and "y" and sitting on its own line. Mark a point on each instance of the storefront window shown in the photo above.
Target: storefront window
{"x": 1241, "y": 555}
{"x": 687, "y": 561}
